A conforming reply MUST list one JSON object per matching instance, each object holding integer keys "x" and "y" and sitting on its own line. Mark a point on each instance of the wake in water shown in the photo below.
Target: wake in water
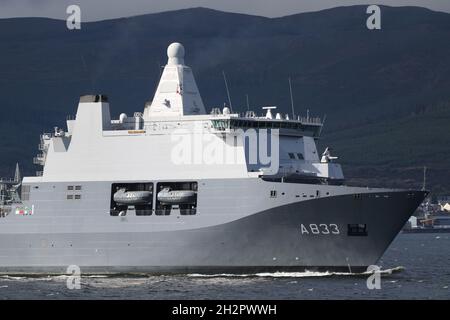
{"x": 129, "y": 277}
{"x": 305, "y": 274}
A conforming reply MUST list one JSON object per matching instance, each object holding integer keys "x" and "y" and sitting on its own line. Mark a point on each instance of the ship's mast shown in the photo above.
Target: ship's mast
{"x": 292, "y": 99}
{"x": 424, "y": 178}
{"x": 228, "y": 91}
{"x": 17, "y": 175}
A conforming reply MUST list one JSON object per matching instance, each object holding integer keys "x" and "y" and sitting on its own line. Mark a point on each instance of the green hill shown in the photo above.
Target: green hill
{"x": 385, "y": 92}
{"x": 393, "y": 152}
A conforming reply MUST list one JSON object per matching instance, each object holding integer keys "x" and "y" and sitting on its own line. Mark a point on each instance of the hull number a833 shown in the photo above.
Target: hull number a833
{"x": 319, "y": 228}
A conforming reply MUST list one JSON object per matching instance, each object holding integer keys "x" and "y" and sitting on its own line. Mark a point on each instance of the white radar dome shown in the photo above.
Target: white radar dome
{"x": 123, "y": 117}
{"x": 175, "y": 53}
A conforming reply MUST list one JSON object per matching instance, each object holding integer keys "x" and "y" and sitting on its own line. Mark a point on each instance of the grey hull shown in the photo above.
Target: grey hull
{"x": 266, "y": 241}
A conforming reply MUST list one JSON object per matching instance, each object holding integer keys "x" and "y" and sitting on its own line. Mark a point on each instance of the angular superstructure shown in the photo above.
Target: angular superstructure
{"x": 177, "y": 94}
{"x": 177, "y": 189}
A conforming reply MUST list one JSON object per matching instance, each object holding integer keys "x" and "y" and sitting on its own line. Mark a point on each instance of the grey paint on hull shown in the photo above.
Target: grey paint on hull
{"x": 265, "y": 241}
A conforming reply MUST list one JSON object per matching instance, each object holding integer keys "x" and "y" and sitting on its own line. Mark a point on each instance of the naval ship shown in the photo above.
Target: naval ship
{"x": 176, "y": 189}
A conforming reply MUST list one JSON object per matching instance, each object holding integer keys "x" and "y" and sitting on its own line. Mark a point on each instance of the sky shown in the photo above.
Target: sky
{"x": 93, "y": 10}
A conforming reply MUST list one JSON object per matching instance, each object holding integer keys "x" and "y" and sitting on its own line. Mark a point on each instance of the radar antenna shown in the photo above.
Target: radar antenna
{"x": 228, "y": 91}
{"x": 327, "y": 157}
{"x": 269, "y": 112}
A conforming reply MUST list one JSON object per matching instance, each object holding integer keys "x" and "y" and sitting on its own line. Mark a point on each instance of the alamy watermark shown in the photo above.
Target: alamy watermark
{"x": 374, "y": 280}
{"x": 73, "y": 21}
{"x": 74, "y": 277}
{"x": 374, "y": 20}
{"x": 261, "y": 148}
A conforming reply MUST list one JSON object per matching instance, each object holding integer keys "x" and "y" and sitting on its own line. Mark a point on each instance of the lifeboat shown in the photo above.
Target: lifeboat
{"x": 124, "y": 197}
{"x": 169, "y": 196}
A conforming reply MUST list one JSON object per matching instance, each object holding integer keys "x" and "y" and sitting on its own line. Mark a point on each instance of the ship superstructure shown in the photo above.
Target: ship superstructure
{"x": 177, "y": 189}
{"x": 9, "y": 192}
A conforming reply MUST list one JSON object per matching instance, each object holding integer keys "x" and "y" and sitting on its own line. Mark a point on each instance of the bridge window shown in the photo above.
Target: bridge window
{"x": 291, "y": 155}
{"x": 300, "y": 156}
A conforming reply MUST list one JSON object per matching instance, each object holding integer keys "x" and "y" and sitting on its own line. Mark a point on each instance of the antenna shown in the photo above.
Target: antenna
{"x": 292, "y": 99}
{"x": 424, "y": 178}
{"x": 228, "y": 91}
{"x": 248, "y": 103}
{"x": 88, "y": 75}
{"x": 323, "y": 122}
{"x": 269, "y": 113}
